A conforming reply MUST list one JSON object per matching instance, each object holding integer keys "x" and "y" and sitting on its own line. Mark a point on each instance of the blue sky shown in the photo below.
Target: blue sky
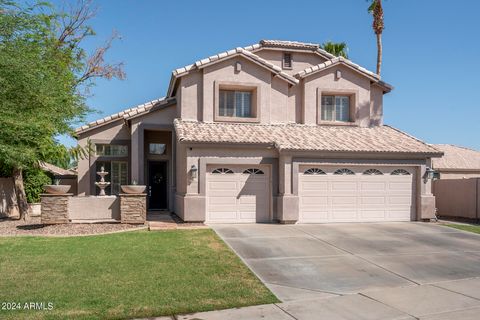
{"x": 431, "y": 51}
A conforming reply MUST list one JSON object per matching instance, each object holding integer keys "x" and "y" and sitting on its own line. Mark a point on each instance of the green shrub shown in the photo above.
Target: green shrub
{"x": 34, "y": 180}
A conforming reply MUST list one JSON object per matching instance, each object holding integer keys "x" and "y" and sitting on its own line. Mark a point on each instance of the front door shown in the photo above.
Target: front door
{"x": 157, "y": 185}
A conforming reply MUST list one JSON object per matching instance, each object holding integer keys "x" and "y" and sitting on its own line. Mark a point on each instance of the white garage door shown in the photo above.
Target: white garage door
{"x": 356, "y": 194}
{"x": 238, "y": 194}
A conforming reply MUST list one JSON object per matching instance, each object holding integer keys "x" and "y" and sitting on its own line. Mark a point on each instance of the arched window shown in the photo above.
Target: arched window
{"x": 372, "y": 172}
{"x": 253, "y": 171}
{"x": 314, "y": 171}
{"x": 222, "y": 171}
{"x": 400, "y": 172}
{"x": 344, "y": 171}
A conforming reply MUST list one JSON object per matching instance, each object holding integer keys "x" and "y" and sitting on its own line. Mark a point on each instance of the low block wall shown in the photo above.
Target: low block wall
{"x": 8, "y": 199}
{"x": 94, "y": 208}
{"x": 458, "y": 198}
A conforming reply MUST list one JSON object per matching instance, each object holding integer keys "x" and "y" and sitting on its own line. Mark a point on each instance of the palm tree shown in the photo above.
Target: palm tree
{"x": 338, "y": 49}
{"x": 376, "y": 10}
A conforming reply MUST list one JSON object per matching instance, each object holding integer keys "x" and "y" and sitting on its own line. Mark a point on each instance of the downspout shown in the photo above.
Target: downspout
{"x": 477, "y": 197}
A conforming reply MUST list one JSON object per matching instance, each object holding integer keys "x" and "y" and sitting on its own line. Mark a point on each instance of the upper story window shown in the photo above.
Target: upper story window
{"x": 111, "y": 150}
{"x": 156, "y": 148}
{"x": 235, "y": 103}
{"x": 287, "y": 61}
{"x": 335, "y": 108}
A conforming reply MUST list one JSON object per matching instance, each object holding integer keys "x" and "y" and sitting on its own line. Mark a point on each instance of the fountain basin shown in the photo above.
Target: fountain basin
{"x": 56, "y": 189}
{"x": 133, "y": 189}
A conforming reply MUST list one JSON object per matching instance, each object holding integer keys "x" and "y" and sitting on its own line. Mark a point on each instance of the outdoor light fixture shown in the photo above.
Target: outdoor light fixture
{"x": 429, "y": 174}
{"x": 193, "y": 171}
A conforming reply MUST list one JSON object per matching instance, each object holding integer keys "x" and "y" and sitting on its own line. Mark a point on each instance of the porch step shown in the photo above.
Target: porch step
{"x": 161, "y": 225}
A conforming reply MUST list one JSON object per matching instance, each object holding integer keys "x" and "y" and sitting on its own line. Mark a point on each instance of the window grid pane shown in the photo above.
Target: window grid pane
{"x": 335, "y": 108}
{"x": 235, "y": 103}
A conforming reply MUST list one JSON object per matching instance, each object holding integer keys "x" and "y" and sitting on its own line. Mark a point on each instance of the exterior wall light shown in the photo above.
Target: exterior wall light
{"x": 193, "y": 171}
{"x": 429, "y": 174}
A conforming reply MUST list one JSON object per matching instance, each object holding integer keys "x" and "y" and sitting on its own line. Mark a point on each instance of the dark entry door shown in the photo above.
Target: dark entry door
{"x": 157, "y": 185}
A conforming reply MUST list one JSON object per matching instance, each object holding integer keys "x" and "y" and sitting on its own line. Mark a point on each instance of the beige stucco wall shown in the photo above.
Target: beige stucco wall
{"x": 376, "y": 106}
{"x": 301, "y": 60}
{"x": 108, "y": 133}
{"x": 350, "y": 83}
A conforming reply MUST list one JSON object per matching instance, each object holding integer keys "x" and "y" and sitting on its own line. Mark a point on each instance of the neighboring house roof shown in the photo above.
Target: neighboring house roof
{"x": 128, "y": 113}
{"x": 57, "y": 171}
{"x": 456, "y": 158}
{"x": 381, "y": 139}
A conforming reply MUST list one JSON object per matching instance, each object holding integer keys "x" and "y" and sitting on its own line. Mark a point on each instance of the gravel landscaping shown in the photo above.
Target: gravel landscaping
{"x": 33, "y": 227}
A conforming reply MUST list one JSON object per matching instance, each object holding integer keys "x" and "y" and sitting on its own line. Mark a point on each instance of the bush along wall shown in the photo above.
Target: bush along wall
{"x": 34, "y": 180}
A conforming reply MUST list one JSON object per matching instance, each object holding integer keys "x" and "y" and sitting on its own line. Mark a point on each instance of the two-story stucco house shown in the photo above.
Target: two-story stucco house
{"x": 277, "y": 131}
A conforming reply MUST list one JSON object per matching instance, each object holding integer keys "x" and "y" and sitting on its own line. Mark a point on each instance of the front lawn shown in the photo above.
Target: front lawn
{"x": 466, "y": 227}
{"x": 125, "y": 275}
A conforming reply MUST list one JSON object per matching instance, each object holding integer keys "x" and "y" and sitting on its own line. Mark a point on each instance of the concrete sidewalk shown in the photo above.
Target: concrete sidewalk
{"x": 458, "y": 299}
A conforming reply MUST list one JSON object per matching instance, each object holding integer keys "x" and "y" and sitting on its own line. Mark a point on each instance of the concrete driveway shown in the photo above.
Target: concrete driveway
{"x": 363, "y": 271}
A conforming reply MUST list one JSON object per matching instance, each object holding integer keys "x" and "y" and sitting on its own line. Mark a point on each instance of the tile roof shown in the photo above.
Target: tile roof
{"x": 231, "y": 53}
{"x": 332, "y": 62}
{"x": 304, "y": 137}
{"x": 53, "y": 169}
{"x": 457, "y": 158}
{"x": 125, "y": 114}
{"x": 296, "y": 45}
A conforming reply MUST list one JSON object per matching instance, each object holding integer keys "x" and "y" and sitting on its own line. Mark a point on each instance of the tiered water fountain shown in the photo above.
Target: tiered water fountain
{"x": 102, "y": 184}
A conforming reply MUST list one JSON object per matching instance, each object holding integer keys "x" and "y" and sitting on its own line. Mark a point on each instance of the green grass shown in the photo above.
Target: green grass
{"x": 470, "y": 227}
{"x": 125, "y": 275}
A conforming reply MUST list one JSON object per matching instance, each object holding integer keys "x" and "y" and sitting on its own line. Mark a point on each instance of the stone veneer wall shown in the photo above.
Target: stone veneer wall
{"x": 133, "y": 208}
{"x": 54, "y": 208}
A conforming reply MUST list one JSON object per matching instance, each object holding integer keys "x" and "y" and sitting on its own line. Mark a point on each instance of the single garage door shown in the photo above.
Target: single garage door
{"x": 356, "y": 194}
{"x": 238, "y": 194}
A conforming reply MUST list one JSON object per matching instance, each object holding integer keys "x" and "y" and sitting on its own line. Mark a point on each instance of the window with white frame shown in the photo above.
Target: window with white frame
{"x": 335, "y": 108}
{"x": 233, "y": 103}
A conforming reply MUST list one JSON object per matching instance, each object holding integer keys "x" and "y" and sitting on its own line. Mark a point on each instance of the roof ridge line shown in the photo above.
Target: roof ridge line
{"x": 409, "y": 135}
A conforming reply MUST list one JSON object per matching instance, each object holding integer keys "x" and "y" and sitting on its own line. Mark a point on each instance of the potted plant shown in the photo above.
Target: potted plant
{"x": 134, "y": 188}
{"x": 56, "y": 188}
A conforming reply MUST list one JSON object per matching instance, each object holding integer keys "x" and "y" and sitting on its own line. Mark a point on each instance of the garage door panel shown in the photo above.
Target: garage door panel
{"x": 239, "y": 196}
{"x": 344, "y": 186}
{"x": 344, "y": 215}
{"x": 373, "y": 214}
{"x": 369, "y": 201}
{"x": 342, "y": 201}
{"x": 314, "y": 201}
{"x": 314, "y": 186}
{"x": 373, "y": 186}
{"x": 371, "y": 194}
{"x": 230, "y": 201}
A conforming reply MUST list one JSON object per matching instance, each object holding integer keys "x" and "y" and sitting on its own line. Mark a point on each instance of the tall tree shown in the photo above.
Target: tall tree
{"x": 338, "y": 49}
{"x": 44, "y": 79}
{"x": 376, "y": 10}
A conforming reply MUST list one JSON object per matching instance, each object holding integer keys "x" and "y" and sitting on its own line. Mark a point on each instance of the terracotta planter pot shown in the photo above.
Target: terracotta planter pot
{"x": 56, "y": 189}
{"x": 133, "y": 189}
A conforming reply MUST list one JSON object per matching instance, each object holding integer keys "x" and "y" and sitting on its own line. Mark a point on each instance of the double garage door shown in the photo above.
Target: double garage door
{"x": 356, "y": 194}
{"x": 242, "y": 194}
{"x": 238, "y": 194}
